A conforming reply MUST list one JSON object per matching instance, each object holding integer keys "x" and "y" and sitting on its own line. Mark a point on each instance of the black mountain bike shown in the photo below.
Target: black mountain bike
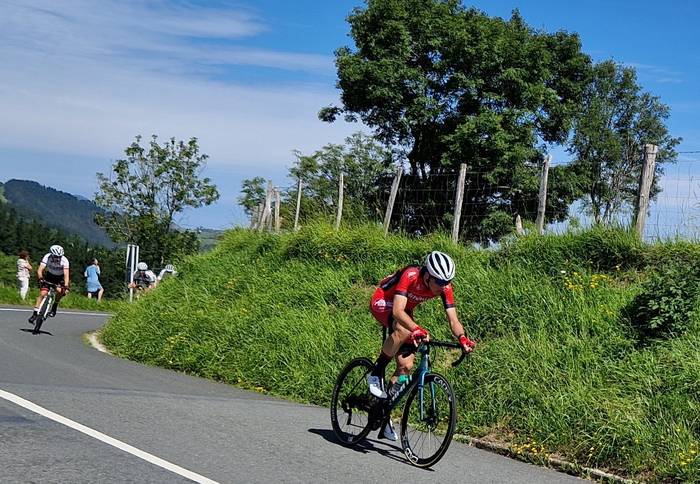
{"x": 45, "y": 306}
{"x": 429, "y": 414}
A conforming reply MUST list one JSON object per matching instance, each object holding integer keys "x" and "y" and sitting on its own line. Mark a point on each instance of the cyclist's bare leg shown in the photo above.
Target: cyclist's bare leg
{"x": 42, "y": 292}
{"x": 395, "y": 340}
{"x": 404, "y": 365}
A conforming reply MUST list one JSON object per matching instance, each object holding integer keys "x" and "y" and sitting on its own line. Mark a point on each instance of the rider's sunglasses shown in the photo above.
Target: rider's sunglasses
{"x": 440, "y": 282}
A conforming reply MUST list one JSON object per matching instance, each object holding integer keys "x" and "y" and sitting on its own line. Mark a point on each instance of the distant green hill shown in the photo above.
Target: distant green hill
{"x": 56, "y": 209}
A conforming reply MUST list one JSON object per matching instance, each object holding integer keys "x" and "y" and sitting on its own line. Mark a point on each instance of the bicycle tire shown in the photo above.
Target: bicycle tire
{"x": 438, "y": 422}
{"x": 351, "y": 396}
{"x": 41, "y": 314}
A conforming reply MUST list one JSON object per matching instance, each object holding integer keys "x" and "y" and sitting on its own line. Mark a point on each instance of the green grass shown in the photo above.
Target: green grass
{"x": 557, "y": 361}
{"x": 10, "y": 295}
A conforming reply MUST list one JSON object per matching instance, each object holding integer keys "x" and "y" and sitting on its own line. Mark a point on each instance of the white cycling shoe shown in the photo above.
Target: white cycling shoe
{"x": 375, "y": 386}
{"x": 388, "y": 432}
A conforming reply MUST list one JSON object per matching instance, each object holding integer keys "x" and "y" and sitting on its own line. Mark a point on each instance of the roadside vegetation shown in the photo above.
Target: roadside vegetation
{"x": 588, "y": 343}
{"x": 10, "y": 295}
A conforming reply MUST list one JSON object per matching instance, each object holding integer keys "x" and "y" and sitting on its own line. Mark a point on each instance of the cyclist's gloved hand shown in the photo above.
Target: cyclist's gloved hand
{"x": 417, "y": 335}
{"x": 66, "y": 289}
{"x": 467, "y": 344}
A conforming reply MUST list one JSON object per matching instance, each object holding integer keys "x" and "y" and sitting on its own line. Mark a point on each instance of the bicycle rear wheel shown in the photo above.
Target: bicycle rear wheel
{"x": 428, "y": 421}
{"x": 351, "y": 402}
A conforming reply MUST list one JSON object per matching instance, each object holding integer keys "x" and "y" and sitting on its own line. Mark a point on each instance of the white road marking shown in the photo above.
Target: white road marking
{"x": 60, "y": 312}
{"x": 11, "y": 397}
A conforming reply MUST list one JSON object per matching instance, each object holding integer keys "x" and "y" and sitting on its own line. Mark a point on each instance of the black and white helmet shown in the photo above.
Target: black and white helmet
{"x": 440, "y": 266}
{"x": 56, "y": 250}
{"x": 142, "y": 266}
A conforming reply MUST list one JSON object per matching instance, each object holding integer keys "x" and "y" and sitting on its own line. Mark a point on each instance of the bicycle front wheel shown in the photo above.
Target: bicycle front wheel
{"x": 428, "y": 421}
{"x": 41, "y": 314}
{"x": 351, "y": 403}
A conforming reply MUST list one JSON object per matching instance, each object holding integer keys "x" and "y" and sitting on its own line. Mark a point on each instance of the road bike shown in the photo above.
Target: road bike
{"x": 429, "y": 414}
{"x": 45, "y": 307}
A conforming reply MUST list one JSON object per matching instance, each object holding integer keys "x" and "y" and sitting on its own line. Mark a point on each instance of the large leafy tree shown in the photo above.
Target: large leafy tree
{"x": 147, "y": 189}
{"x": 616, "y": 121}
{"x": 449, "y": 85}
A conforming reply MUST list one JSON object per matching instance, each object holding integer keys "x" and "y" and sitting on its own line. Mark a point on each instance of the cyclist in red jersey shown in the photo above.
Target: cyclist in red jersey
{"x": 392, "y": 305}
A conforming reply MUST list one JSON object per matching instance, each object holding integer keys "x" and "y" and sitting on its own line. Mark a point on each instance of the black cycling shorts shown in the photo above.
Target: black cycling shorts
{"x": 53, "y": 279}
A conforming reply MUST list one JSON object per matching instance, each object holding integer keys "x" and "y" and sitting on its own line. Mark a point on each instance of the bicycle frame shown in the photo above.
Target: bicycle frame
{"x": 416, "y": 378}
{"x": 47, "y": 301}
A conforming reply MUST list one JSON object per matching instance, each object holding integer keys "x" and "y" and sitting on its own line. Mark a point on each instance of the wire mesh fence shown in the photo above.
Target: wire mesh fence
{"x": 426, "y": 202}
{"x": 675, "y": 211}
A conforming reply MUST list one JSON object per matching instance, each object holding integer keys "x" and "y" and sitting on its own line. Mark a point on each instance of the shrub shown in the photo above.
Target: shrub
{"x": 667, "y": 302}
{"x": 597, "y": 249}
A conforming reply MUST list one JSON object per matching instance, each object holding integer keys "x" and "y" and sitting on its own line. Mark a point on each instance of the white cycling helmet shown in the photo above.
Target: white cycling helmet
{"x": 169, "y": 268}
{"x": 56, "y": 250}
{"x": 142, "y": 266}
{"x": 440, "y": 266}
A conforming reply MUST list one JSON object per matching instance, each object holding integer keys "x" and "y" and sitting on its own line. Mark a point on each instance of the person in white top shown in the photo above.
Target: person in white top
{"x": 143, "y": 278}
{"x": 169, "y": 270}
{"x": 53, "y": 269}
{"x": 23, "y": 268}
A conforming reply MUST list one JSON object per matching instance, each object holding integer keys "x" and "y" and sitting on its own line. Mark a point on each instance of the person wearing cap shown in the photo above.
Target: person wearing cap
{"x": 143, "y": 278}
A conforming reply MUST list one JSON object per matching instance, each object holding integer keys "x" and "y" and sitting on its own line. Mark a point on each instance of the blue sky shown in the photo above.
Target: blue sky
{"x": 80, "y": 78}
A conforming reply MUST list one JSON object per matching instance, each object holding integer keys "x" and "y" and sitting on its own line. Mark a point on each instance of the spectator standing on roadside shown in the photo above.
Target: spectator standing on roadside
{"x": 94, "y": 288}
{"x": 23, "y": 268}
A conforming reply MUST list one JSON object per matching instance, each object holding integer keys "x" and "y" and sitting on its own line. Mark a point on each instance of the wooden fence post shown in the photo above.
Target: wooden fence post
{"x": 254, "y": 216}
{"x": 645, "y": 181}
{"x": 542, "y": 202}
{"x": 459, "y": 197}
{"x": 296, "y": 216}
{"x": 392, "y": 199}
{"x": 266, "y": 218}
{"x": 519, "y": 225}
{"x": 277, "y": 211}
{"x": 340, "y": 202}
{"x": 260, "y": 215}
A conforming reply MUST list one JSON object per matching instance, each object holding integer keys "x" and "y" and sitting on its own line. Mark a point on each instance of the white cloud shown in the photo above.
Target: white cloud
{"x": 85, "y": 77}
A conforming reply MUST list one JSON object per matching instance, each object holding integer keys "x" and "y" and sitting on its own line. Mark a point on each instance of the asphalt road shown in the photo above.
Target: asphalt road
{"x": 213, "y": 430}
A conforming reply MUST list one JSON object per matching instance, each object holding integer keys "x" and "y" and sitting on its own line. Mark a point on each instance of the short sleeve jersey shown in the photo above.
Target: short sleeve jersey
{"x": 144, "y": 277}
{"x": 407, "y": 282}
{"x": 55, "y": 264}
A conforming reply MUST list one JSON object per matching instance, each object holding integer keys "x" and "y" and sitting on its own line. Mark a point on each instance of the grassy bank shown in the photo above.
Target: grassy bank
{"x": 560, "y": 366}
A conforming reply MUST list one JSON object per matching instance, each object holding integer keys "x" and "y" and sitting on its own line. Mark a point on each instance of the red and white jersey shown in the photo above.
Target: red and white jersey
{"x": 407, "y": 282}
{"x": 55, "y": 264}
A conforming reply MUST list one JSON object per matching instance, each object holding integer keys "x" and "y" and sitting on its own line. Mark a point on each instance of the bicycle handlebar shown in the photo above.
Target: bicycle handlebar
{"x": 447, "y": 344}
{"x": 51, "y": 284}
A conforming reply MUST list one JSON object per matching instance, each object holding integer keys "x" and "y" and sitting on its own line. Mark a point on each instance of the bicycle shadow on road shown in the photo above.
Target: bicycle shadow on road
{"x": 35, "y": 332}
{"x": 391, "y": 451}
